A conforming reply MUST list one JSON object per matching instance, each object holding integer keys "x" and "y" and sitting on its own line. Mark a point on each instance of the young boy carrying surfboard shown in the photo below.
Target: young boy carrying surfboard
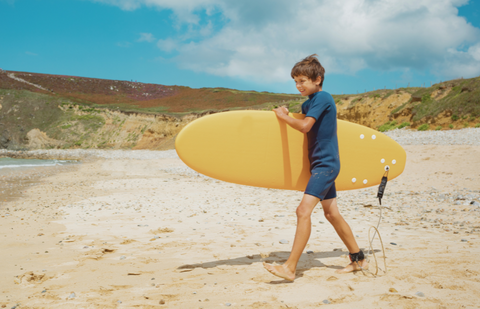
{"x": 320, "y": 125}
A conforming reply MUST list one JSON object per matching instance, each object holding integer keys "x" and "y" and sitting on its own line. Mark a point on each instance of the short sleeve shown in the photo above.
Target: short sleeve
{"x": 316, "y": 108}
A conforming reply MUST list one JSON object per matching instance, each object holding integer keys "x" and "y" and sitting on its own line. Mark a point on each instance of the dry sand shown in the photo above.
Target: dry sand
{"x": 146, "y": 234}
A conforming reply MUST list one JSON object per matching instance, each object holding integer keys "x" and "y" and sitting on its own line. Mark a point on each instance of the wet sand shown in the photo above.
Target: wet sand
{"x": 132, "y": 233}
{"x": 15, "y": 182}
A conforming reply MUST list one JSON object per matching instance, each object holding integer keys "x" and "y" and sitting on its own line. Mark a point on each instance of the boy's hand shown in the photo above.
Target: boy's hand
{"x": 281, "y": 111}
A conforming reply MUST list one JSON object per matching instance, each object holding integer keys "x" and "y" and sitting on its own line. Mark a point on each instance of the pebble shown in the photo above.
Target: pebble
{"x": 392, "y": 290}
{"x": 283, "y": 241}
{"x": 162, "y": 302}
{"x": 309, "y": 252}
{"x": 123, "y": 257}
{"x": 228, "y": 304}
{"x": 72, "y": 295}
{"x": 420, "y": 294}
{"x": 326, "y": 301}
{"x": 464, "y": 240}
{"x": 392, "y": 243}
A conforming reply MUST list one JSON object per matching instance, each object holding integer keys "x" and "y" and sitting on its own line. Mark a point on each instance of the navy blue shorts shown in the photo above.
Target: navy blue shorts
{"x": 322, "y": 184}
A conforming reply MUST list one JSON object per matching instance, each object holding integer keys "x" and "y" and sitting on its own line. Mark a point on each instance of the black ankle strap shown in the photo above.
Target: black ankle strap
{"x": 356, "y": 257}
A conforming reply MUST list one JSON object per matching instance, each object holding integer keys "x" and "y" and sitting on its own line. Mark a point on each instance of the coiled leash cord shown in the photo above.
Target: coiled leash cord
{"x": 358, "y": 256}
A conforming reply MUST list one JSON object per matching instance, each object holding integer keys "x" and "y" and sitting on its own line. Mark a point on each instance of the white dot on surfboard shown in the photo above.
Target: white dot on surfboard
{"x": 374, "y": 136}
{"x": 394, "y": 161}
{"x": 387, "y": 168}
{"x": 354, "y": 180}
{"x": 365, "y": 181}
{"x": 362, "y": 136}
{"x": 383, "y": 160}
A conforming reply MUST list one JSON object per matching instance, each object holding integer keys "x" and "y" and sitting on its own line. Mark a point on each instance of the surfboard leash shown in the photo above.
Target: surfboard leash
{"x": 381, "y": 191}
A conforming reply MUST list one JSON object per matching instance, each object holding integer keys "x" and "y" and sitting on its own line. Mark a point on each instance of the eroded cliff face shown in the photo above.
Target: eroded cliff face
{"x": 118, "y": 130}
{"x": 371, "y": 111}
{"x": 375, "y": 110}
{"x": 107, "y": 129}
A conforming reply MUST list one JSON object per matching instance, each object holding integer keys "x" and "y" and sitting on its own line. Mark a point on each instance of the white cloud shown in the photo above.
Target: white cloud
{"x": 263, "y": 39}
{"x": 167, "y": 45}
{"x": 474, "y": 51}
{"x": 461, "y": 63}
{"x": 146, "y": 37}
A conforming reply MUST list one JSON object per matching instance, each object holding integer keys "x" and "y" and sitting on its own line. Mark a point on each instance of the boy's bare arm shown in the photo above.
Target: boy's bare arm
{"x": 302, "y": 125}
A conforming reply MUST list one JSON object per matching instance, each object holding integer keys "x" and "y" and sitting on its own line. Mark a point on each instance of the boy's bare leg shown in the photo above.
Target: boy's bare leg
{"x": 343, "y": 230}
{"x": 302, "y": 234}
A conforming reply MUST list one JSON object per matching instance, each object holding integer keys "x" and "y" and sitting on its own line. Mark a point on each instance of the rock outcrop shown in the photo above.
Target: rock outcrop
{"x": 39, "y": 140}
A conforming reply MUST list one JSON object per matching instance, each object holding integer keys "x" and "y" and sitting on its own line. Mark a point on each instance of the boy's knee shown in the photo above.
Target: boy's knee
{"x": 332, "y": 216}
{"x": 303, "y": 212}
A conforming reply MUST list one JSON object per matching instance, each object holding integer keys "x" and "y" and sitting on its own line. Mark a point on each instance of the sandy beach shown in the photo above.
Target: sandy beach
{"x": 139, "y": 229}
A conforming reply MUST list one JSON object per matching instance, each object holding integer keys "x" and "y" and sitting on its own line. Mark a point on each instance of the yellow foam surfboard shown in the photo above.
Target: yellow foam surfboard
{"x": 255, "y": 148}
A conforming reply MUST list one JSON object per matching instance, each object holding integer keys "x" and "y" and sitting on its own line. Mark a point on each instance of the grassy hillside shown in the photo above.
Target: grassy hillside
{"x": 448, "y": 105}
{"x": 140, "y": 97}
{"x": 95, "y": 113}
{"x": 71, "y": 112}
{"x": 22, "y": 111}
{"x": 462, "y": 98}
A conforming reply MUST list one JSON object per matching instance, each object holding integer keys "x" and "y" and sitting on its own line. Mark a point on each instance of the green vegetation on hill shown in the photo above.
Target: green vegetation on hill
{"x": 72, "y": 110}
{"x": 392, "y": 125}
{"x": 141, "y": 97}
{"x": 67, "y": 108}
{"x": 22, "y": 111}
{"x": 462, "y": 100}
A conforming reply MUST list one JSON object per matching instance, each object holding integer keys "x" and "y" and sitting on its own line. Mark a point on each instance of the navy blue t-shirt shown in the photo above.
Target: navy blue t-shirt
{"x": 322, "y": 137}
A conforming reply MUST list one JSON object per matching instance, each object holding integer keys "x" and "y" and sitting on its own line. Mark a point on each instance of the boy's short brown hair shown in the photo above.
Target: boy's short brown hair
{"x": 309, "y": 67}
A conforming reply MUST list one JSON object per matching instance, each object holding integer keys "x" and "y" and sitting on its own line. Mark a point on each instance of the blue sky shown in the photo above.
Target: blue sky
{"x": 248, "y": 45}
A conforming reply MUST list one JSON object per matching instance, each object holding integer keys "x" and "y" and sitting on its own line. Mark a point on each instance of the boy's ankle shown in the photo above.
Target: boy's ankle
{"x": 357, "y": 257}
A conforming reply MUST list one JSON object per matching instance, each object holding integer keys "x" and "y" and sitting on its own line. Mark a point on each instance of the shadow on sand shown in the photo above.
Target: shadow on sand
{"x": 307, "y": 261}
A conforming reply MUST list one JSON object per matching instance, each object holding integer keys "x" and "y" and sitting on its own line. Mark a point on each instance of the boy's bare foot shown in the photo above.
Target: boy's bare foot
{"x": 280, "y": 271}
{"x": 353, "y": 267}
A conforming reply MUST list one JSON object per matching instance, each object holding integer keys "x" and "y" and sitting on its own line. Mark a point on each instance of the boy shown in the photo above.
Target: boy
{"x": 320, "y": 124}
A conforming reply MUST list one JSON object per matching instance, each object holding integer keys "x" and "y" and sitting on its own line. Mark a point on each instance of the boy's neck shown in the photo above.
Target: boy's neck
{"x": 311, "y": 95}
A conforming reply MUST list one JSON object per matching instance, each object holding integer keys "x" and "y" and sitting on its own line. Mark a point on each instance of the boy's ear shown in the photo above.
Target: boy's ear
{"x": 318, "y": 81}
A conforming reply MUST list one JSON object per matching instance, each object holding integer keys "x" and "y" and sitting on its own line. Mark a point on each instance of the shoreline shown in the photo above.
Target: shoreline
{"x": 14, "y": 182}
{"x": 405, "y": 137}
{"x": 138, "y": 228}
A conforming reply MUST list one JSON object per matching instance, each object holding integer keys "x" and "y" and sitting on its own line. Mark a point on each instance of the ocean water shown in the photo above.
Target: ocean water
{"x": 8, "y": 165}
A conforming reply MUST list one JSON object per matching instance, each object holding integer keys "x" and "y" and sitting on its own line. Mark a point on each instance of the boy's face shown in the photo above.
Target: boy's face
{"x": 306, "y": 86}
